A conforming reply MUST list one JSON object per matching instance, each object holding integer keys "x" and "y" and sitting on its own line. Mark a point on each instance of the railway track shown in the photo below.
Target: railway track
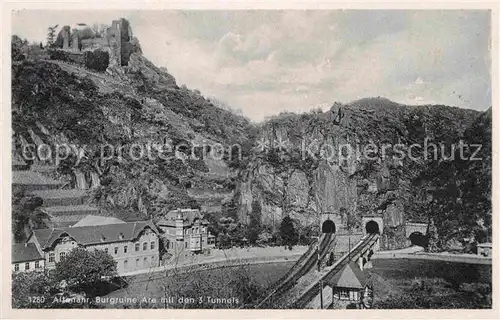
{"x": 313, "y": 290}
{"x": 306, "y": 262}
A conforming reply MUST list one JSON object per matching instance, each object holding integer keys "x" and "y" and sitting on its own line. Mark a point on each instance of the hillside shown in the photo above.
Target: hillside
{"x": 134, "y": 108}
{"x": 140, "y": 138}
{"x": 291, "y": 176}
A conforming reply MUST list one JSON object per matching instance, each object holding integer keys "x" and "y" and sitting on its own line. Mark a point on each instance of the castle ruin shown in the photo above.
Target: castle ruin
{"x": 116, "y": 39}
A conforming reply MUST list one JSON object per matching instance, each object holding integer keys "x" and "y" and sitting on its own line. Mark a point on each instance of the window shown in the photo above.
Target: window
{"x": 125, "y": 263}
{"x": 125, "y": 249}
{"x": 62, "y": 255}
{"x": 52, "y": 257}
{"x": 106, "y": 250}
{"x": 145, "y": 246}
{"x": 27, "y": 266}
{"x": 116, "y": 250}
{"x": 152, "y": 245}
{"x": 343, "y": 294}
{"x": 37, "y": 264}
{"x": 145, "y": 261}
{"x": 354, "y": 295}
{"x": 137, "y": 247}
{"x": 16, "y": 267}
{"x": 137, "y": 263}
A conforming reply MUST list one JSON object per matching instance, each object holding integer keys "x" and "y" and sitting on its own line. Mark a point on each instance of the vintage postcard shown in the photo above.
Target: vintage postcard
{"x": 286, "y": 159}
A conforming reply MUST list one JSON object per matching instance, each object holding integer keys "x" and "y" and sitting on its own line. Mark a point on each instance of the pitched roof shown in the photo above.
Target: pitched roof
{"x": 59, "y": 193}
{"x": 485, "y": 244}
{"x": 74, "y": 209}
{"x": 188, "y": 217}
{"x": 350, "y": 276}
{"x": 31, "y": 178}
{"x": 87, "y": 235}
{"x": 23, "y": 252}
{"x": 73, "y": 218}
{"x": 17, "y": 160}
{"x": 53, "y": 223}
{"x": 92, "y": 220}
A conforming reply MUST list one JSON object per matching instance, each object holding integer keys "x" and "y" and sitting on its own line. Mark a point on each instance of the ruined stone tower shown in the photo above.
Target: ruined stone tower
{"x": 117, "y": 40}
{"x": 113, "y": 35}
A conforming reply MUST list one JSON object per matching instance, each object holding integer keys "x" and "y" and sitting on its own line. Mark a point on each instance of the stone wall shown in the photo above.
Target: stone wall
{"x": 117, "y": 40}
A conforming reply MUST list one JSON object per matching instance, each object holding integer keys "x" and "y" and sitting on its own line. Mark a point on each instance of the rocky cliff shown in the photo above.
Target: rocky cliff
{"x": 132, "y": 133}
{"x": 292, "y": 164}
{"x": 303, "y": 165}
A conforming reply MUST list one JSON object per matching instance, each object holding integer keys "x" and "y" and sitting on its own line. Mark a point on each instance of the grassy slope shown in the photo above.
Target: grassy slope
{"x": 56, "y": 106}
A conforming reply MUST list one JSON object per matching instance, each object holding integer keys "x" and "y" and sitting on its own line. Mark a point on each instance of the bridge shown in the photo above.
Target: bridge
{"x": 313, "y": 273}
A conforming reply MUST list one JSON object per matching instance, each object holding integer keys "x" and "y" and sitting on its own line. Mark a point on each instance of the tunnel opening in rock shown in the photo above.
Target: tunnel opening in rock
{"x": 372, "y": 227}
{"x": 418, "y": 239}
{"x": 328, "y": 226}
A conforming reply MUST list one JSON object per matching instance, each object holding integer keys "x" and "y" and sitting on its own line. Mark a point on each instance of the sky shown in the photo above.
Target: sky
{"x": 266, "y": 62}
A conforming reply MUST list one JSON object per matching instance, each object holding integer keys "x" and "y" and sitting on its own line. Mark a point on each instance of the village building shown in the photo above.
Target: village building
{"x": 18, "y": 163}
{"x": 485, "y": 249}
{"x": 351, "y": 287}
{"x": 31, "y": 180}
{"x": 26, "y": 258}
{"x": 186, "y": 230}
{"x": 134, "y": 245}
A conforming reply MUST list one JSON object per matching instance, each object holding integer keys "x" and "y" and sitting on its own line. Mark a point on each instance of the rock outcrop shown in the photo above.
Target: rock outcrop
{"x": 354, "y": 185}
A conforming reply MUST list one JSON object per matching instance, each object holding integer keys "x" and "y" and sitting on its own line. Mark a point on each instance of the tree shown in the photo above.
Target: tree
{"x": 461, "y": 188}
{"x": 255, "y": 225}
{"x": 28, "y": 285}
{"x": 350, "y": 219}
{"x": 433, "y": 244}
{"x": 51, "y": 34}
{"x": 41, "y": 290}
{"x": 288, "y": 233}
{"x": 86, "y": 270}
{"x": 17, "y": 49}
{"x": 23, "y": 210}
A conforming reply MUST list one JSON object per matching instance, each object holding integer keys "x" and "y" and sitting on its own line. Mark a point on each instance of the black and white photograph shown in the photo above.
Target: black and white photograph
{"x": 249, "y": 159}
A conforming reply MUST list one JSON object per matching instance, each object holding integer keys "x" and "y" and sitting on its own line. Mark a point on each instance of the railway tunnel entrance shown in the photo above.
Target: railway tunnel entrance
{"x": 418, "y": 239}
{"x": 328, "y": 226}
{"x": 372, "y": 227}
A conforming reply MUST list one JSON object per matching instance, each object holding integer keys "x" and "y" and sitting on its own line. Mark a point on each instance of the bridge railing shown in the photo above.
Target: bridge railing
{"x": 311, "y": 292}
{"x": 306, "y": 261}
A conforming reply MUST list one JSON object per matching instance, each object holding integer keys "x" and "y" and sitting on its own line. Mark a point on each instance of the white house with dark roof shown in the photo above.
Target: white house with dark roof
{"x": 351, "y": 286}
{"x": 134, "y": 245}
{"x": 186, "y": 229}
{"x": 26, "y": 258}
